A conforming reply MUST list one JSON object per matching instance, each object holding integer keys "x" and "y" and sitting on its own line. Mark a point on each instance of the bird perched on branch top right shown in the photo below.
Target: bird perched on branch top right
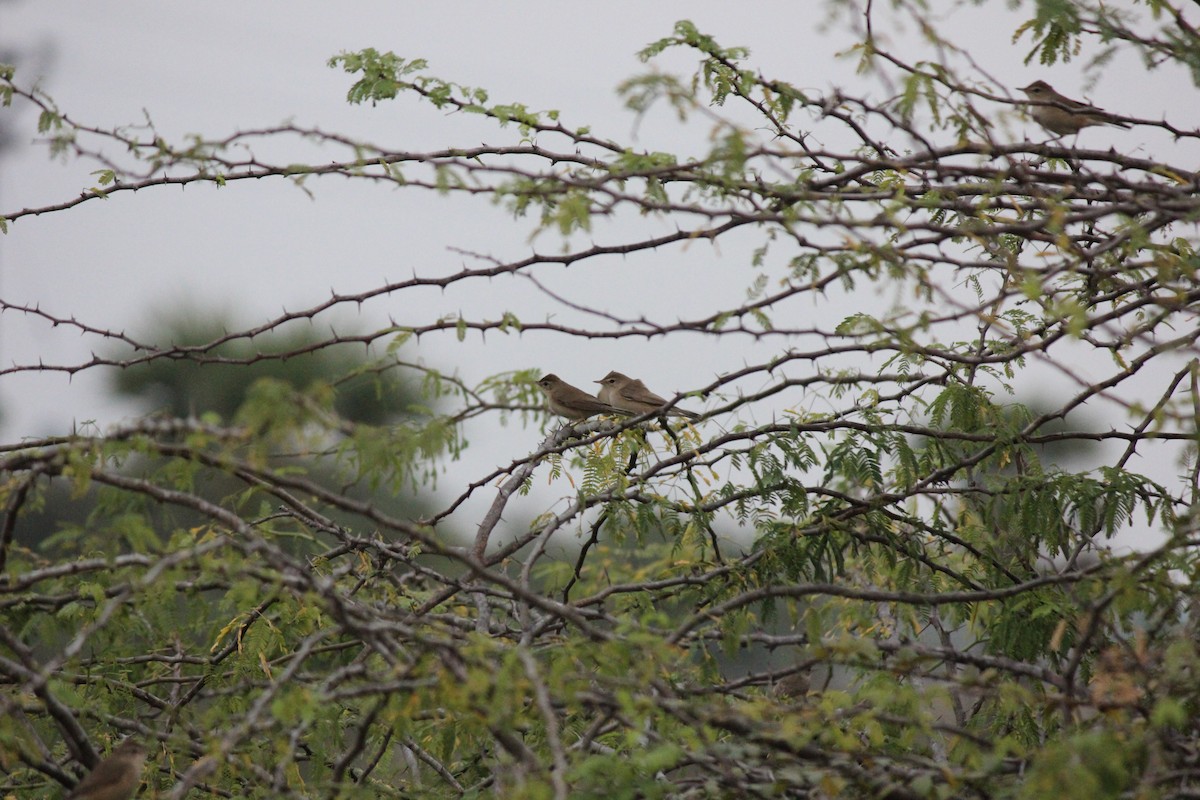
{"x": 1061, "y": 115}
{"x": 632, "y": 396}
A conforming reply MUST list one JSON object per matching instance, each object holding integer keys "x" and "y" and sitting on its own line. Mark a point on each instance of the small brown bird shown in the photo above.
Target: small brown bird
{"x": 632, "y": 396}
{"x": 1061, "y": 115}
{"x": 792, "y": 686}
{"x": 116, "y": 777}
{"x": 567, "y": 401}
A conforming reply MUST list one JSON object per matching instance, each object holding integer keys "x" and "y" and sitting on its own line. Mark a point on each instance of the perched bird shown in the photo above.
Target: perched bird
{"x": 1062, "y": 115}
{"x": 116, "y": 777}
{"x": 567, "y": 401}
{"x": 792, "y": 686}
{"x": 632, "y": 396}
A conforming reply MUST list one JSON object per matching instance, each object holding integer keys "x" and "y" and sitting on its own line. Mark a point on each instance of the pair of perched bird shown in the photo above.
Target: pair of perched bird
{"x": 619, "y": 394}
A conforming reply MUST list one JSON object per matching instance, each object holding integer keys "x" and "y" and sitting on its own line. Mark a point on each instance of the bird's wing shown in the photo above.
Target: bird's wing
{"x": 581, "y": 398}
{"x": 1080, "y": 107}
{"x": 637, "y": 392}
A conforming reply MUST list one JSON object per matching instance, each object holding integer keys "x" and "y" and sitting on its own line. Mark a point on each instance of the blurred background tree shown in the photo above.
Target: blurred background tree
{"x": 299, "y": 357}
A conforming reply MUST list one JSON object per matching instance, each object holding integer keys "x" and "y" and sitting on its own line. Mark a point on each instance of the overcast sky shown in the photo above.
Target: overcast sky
{"x": 256, "y": 248}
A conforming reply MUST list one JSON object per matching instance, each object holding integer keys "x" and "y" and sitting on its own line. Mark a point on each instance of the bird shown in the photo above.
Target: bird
{"x": 1061, "y": 115}
{"x": 568, "y": 401}
{"x": 792, "y": 686}
{"x": 116, "y": 777}
{"x": 632, "y": 396}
